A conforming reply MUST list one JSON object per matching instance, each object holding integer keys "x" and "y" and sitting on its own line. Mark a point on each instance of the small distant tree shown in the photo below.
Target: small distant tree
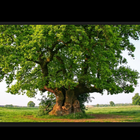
{"x": 31, "y": 104}
{"x": 112, "y": 103}
{"x": 97, "y": 105}
{"x": 136, "y": 99}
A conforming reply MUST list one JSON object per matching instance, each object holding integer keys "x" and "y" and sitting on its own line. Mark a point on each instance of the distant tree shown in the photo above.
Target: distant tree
{"x": 31, "y": 104}
{"x": 136, "y": 99}
{"x": 112, "y": 103}
{"x": 97, "y": 105}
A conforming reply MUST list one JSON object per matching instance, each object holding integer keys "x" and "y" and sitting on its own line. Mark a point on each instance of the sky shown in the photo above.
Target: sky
{"x": 22, "y": 100}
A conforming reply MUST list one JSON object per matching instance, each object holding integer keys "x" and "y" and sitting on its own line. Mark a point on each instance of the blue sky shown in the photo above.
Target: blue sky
{"x": 22, "y": 100}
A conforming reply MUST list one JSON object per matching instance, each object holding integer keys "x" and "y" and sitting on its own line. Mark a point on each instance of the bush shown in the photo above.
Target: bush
{"x": 31, "y": 104}
{"x": 43, "y": 110}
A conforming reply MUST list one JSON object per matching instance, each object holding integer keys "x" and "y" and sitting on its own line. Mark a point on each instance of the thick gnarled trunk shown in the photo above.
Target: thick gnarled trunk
{"x": 66, "y": 103}
{"x": 66, "y": 100}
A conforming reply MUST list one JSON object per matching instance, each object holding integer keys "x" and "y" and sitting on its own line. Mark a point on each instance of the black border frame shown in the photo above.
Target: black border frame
{"x": 65, "y": 22}
{"x": 69, "y": 124}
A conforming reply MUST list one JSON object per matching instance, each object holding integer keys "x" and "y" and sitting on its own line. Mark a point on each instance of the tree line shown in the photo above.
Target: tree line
{"x": 135, "y": 101}
{"x": 117, "y": 104}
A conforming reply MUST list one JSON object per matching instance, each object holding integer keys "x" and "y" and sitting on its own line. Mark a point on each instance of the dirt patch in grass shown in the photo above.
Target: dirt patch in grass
{"x": 110, "y": 118}
{"x": 98, "y": 118}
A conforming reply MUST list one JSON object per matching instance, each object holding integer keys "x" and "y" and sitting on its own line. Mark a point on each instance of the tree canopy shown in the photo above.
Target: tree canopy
{"x": 80, "y": 58}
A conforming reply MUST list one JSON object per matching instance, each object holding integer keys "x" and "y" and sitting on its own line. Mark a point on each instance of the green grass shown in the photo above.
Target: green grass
{"x": 18, "y": 114}
{"x": 14, "y": 114}
{"x": 132, "y": 111}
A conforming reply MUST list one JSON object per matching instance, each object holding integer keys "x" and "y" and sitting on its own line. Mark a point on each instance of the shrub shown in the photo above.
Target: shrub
{"x": 46, "y": 104}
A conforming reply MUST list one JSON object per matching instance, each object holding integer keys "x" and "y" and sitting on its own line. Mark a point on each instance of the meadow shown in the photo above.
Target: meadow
{"x": 94, "y": 114}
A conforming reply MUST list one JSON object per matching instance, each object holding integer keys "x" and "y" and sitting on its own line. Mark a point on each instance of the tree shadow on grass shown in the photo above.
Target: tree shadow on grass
{"x": 130, "y": 112}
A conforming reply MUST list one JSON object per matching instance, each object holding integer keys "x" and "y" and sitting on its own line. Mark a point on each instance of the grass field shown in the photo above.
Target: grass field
{"x": 95, "y": 114}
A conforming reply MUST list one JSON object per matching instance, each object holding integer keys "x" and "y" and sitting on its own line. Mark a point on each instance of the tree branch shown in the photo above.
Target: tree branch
{"x": 30, "y": 79}
{"x": 11, "y": 37}
{"x": 52, "y": 53}
{"x": 41, "y": 60}
{"x": 94, "y": 89}
{"x": 33, "y": 61}
{"x": 60, "y": 47}
{"x": 87, "y": 66}
{"x": 56, "y": 72}
{"x": 30, "y": 74}
{"x": 49, "y": 89}
{"x": 84, "y": 68}
{"x": 61, "y": 61}
{"x": 81, "y": 89}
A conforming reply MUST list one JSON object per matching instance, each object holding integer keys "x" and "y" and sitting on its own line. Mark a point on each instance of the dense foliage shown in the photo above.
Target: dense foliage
{"x": 84, "y": 98}
{"x": 66, "y": 55}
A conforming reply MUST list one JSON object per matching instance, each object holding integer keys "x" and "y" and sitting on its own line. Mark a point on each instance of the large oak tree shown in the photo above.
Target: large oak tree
{"x": 67, "y": 60}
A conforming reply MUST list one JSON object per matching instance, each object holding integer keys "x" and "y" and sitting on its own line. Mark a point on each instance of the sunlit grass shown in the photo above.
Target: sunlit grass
{"x": 17, "y": 114}
{"x": 14, "y": 114}
{"x": 131, "y": 111}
